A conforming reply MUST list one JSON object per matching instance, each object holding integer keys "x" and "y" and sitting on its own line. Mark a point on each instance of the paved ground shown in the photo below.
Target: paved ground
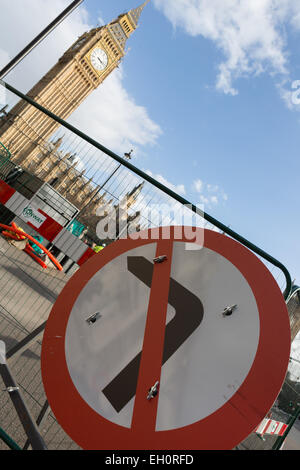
{"x": 292, "y": 441}
{"x": 27, "y": 294}
{"x": 27, "y": 291}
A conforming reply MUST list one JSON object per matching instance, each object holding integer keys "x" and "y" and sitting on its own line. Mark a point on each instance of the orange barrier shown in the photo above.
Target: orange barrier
{"x": 14, "y": 226}
{"x": 10, "y": 235}
{"x": 23, "y": 234}
{"x": 30, "y": 251}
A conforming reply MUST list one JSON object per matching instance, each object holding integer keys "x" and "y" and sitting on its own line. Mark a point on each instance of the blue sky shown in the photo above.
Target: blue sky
{"x": 204, "y": 97}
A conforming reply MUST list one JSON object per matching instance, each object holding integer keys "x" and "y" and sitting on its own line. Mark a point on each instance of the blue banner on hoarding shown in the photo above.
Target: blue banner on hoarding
{"x": 76, "y": 228}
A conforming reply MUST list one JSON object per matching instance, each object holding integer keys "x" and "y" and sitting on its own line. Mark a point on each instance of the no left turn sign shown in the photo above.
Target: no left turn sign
{"x": 155, "y": 346}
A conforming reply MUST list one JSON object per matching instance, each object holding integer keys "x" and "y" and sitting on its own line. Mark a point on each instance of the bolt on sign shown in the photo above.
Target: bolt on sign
{"x": 152, "y": 345}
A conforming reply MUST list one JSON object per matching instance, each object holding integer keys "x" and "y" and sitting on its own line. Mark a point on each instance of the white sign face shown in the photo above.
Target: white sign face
{"x": 97, "y": 352}
{"x": 29, "y": 213}
{"x": 214, "y": 361}
{"x": 170, "y": 354}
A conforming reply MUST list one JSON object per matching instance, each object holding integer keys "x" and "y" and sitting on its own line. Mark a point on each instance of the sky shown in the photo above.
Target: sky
{"x": 208, "y": 96}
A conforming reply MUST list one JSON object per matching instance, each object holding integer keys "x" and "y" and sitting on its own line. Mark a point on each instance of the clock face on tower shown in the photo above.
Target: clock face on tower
{"x": 99, "y": 59}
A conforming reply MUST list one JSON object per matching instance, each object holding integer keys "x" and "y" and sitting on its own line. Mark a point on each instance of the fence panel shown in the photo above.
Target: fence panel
{"x": 99, "y": 183}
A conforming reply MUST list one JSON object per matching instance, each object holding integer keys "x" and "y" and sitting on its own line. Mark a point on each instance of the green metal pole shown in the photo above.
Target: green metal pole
{"x": 8, "y": 154}
{"x": 8, "y": 440}
{"x": 281, "y": 439}
{"x": 158, "y": 185}
{"x": 29, "y": 425}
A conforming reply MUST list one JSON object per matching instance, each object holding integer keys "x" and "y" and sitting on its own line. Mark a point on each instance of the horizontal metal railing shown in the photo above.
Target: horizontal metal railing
{"x": 4, "y": 152}
{"x": 167, "y": 191}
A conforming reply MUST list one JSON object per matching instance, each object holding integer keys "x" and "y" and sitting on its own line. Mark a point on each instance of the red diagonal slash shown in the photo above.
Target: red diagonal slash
{"x": 145, "y": 411}
{"x": 188, "y": 317}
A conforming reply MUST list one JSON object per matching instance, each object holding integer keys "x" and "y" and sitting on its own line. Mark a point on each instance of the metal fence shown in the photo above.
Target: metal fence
{"x": 27, "y": 292}
{"x": 25, "y": 183}
{"x": 4, "y": 152}
{"x": 27, "y": 295}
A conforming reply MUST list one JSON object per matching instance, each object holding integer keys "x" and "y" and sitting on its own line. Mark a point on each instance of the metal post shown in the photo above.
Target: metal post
{"x": 281, "y": 439}
{"x": 42, "y": 417}
{"x": 26, "y": 419}
{"x": 8, "y": 440}
{"x": 25, "y": 343}
{"x": 12, "y": 64}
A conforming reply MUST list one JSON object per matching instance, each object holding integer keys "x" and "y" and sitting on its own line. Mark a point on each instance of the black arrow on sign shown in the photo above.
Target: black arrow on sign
{"x": 189, "y": 315}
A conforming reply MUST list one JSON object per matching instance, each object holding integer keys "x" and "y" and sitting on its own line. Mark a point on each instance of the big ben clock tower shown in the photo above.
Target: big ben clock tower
{"x": 81, "y": 69}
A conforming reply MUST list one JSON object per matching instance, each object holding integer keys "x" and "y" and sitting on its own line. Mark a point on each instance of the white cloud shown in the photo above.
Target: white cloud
{"x": 109, "y": 114}
{"x": 225, "y": 196}
{"x": 101, "y": 21}
{"x": 4, "y": 57}
{"x": 212, "y": 188}
{"x": 179, "y": 189}
{"x": 198, "y": 186}
{"x": 46, "y": 54}
{"x": 250, "y": 34}
{"x": 203, "y": 200}
{"x": 208, "y": 194}
{"x": 290, "y": 93}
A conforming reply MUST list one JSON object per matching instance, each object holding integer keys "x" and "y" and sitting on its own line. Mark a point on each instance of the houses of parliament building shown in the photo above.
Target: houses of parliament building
{"x": 27, "y": 132}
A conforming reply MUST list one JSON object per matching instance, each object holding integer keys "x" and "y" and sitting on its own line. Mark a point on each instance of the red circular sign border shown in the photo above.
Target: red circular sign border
{"x": 224, "y": 428}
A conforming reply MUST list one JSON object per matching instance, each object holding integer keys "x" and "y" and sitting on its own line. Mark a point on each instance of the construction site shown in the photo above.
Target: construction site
{"x": 71, "y": 211}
